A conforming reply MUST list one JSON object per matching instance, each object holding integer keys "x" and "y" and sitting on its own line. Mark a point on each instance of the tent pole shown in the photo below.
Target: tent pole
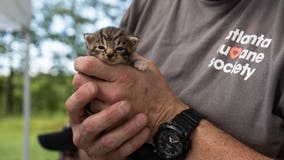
{"x": 26, "y": 103}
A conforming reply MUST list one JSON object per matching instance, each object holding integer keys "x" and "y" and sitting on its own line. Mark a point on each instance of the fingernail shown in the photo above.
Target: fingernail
{"x": 123, "y": 108}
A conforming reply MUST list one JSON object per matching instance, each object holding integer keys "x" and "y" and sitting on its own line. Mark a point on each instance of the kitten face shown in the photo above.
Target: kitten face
{"x": 111, "y": 45}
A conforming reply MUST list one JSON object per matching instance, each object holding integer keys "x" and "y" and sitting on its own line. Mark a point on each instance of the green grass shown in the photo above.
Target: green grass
{"x": 11, "y": 136}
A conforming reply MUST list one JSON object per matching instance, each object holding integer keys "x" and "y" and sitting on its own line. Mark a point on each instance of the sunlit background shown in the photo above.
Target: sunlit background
{"x": 56, "y": 31}
{"x": 58, "y": 27}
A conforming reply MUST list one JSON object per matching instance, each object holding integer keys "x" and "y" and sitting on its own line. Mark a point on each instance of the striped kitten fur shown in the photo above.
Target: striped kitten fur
{"x": 113, "y": 46}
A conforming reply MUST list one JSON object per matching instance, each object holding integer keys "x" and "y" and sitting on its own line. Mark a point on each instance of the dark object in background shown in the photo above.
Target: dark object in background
{"x": 58, "y": 141}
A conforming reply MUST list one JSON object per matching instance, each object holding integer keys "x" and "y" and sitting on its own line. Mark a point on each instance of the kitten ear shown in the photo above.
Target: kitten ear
{"x": 88, "y": 37}
{"x": 133, "y": 39}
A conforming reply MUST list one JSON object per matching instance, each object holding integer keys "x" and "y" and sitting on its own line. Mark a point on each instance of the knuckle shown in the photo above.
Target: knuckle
{"x": 130, "y": 129}
{"x": 110, "y": 116}
{"x": 91, "y": 154}
{"x": 67, "y": 104}
{"x": 76, "y": 99}
{"x": 76, "y": 80}
{"x": 93, "y": 87}
{"x": 125, "y": 151}
{"x": 119, "y": 112}
{"x": 137, "y": 124}
{"x": 88, "y": 127}
{"x": 76, "y": 139}
{"x": 122, "y": 153}
{"x": 86, "y": 65}
{"x": 127, "y": 79}
{"x": 108, "y": 143}
{"x": 115, "y": 96}
{"x": 141, "y": 120}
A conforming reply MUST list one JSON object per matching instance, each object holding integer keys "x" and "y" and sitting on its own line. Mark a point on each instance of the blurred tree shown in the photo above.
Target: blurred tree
{"x": 9, "y": 48}
{"x": 56, "y": 22}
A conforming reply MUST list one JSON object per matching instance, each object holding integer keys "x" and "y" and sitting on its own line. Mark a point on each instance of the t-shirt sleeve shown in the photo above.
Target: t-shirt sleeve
{"x": 130, "y": 20}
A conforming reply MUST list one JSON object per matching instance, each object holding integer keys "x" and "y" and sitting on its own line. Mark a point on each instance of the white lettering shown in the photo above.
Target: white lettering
{"x": 266, "y": 43}
{"x": 221, "y": 50}
{"x": 244, "y": 53}
{"x": 247, "y": 71}
{"x": 251, "y": 56}
{"x": 245, "y": 39}
{"x": 259, "y": 58}
{"x": 260, "y": 39}
{"x": 239, "y": 36}
{"x": 237, "y": 68}
{"x": 228, "y": 67}
{"x": 230, "y": 35}
{"x": 243, "y": 70}
{"x": 218, "y": 64}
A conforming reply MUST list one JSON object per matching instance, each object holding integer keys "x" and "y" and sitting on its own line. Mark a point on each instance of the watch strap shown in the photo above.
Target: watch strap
{"x": 187, "y": 120}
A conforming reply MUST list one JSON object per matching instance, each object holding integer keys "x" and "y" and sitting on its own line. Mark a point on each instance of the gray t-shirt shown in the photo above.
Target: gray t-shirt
{"x": 225, "y": 58}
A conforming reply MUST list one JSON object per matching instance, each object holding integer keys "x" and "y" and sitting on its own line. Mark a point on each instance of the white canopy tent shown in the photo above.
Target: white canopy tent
{"x": 16, "y": 15}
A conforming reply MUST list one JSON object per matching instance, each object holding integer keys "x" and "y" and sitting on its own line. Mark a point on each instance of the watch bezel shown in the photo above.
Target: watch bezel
{"x": 186, "y": 142}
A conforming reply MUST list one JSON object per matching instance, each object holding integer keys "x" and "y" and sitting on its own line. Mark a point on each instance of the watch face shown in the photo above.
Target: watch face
{"x": 170, "y": 144}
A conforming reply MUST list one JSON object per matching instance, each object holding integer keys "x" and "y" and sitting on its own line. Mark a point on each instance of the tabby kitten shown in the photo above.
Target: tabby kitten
{"x": 113, "y": 46}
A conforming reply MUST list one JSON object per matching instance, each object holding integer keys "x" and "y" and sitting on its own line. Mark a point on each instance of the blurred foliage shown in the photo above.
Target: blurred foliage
{"x": 48, "y": 93}
{"x": 57, "y": 21}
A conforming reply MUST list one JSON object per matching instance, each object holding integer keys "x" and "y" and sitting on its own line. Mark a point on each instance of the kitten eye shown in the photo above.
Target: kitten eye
{"x": 100, "y": 48}
{"x": 119, "y": 49}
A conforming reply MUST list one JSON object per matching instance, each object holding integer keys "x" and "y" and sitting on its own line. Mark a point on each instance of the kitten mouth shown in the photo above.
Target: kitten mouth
{"x": 106, "y": 59}
{"x": 110, "y": 61}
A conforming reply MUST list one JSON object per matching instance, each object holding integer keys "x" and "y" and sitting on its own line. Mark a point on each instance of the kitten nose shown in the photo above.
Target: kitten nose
{"x": 109, "y": 56}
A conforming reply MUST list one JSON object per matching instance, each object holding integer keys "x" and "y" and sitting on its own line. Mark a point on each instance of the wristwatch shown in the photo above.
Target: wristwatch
{"x": 171, "y": 142}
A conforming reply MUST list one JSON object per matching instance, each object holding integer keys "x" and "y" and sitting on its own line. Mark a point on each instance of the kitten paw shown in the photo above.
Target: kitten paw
{"x": 140, "y": 65}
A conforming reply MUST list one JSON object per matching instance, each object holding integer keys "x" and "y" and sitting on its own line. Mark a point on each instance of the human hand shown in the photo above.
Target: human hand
{"x": 89, "y": 132}
{"x": 147, "y": 91}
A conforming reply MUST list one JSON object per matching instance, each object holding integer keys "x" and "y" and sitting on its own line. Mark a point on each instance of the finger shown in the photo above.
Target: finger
{"x": 95, "y": 124}
{"x": 94, "y": 67}
{"x": 115, "y": 138}
{"x": 98, "y": 105}
{"x": 109, "y": 92}
{"x": 76, "y": 102}
{"x": 130, "y": 146}
{"x": 106, "y": 88}
{"x": 80, "y": 79}
{"x": 95, "y": 106}
{"x": 138, "y": 56}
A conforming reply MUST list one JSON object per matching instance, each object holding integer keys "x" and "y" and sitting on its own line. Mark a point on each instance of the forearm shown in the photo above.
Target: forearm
{"x": 209, "y": 142}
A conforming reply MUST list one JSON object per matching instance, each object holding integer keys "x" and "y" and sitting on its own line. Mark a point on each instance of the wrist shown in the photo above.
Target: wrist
{"x": 172, "y": 140}
{"x": 167, "y": 112}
